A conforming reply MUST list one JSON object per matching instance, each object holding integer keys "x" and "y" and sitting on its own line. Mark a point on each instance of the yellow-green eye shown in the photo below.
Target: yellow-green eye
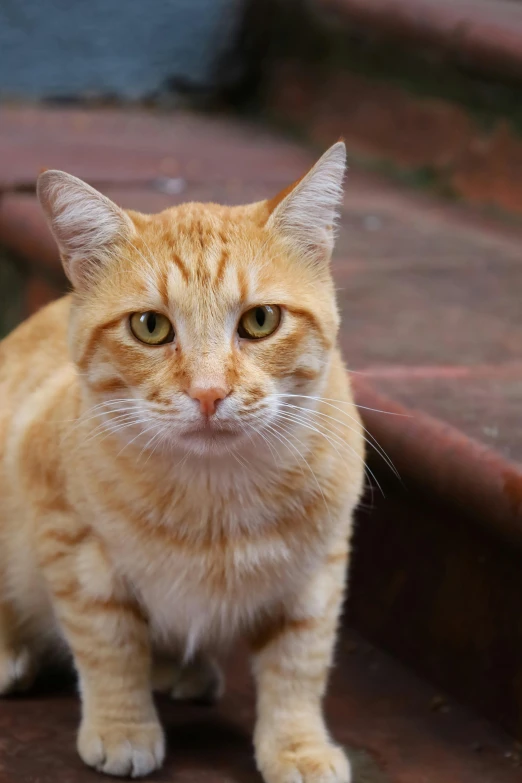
{"x": 151, "y": 328}
{"x": 259, "y": 322}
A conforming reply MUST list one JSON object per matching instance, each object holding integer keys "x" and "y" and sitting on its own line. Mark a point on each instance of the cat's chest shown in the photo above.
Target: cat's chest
{"x": 205, "y": 578}
{"x": 213, "y": 593}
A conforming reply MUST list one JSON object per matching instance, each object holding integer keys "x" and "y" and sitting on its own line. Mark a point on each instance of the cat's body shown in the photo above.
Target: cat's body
{"x": 130, "y": 519}
{"x": 203, "y": 563}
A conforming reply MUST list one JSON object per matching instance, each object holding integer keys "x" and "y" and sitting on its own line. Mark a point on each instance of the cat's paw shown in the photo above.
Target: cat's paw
{"x": 17, "y": 670}
{"x": 200, "y": 680}
{"x": 131, "y": 750}
{"x": 300, "y": 762}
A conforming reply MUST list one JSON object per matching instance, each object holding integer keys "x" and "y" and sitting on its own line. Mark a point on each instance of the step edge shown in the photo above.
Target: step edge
{"x": 443, "y": 461}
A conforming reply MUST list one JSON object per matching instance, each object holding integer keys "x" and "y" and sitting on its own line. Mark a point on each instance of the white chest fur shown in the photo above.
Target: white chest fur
{"x": 215, "y": 560}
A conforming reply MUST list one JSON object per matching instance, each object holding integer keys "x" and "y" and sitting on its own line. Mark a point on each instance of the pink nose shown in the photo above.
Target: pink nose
{"x": 208, "y": 398}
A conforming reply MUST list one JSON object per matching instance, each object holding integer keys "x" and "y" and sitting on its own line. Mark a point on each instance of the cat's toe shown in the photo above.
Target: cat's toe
{"x": 321, "y": 763}
{"x": 124, "y": 750}
{"x": 17, "y": 670}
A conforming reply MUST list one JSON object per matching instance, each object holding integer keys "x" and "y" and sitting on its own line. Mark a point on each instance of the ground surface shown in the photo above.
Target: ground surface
{"x": 397, "y": 729}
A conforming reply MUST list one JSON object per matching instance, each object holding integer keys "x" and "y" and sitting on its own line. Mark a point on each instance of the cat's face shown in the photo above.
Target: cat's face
{"x": 192, "y": 328}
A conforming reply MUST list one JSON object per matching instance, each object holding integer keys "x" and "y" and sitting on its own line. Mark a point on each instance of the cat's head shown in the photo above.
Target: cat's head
{"x": 195, "y": 325}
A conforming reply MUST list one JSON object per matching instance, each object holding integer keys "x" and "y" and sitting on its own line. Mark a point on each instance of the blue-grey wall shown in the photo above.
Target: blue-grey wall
{"x": 127, "y": 48}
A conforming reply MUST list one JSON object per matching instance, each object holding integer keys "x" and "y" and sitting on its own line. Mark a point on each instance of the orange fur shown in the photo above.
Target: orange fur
{"x": 130, "y": 526}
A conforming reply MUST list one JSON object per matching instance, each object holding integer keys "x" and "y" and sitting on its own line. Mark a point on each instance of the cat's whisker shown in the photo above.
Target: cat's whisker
{"x": 120, "y": 423}
{"x": 305, "y": 461}
{"x": 273, "y": 452}
{"x": 102, "y": 434}
{"x": 288, "y": 430}
{"x": 113, "y": 419}
{"x": 371, "y": 441}
{"x": 109, "y": 404}
{"x": 181, "y": 461}
{"x": 101, "y": 427}
{"x": 155, "y": 446}
{"x": 107, "y": 413}
{"x": 96, "y": 411}
{"x": 330, "y": 438}
{"x": 239, "y": 459}
{"x": 343, "y": 402}
{"x": 140, "y": 433}
{"x": 329, "y": 402}
{"x": 85, "y": 413}
{"x": 105, "y": 423}
{"x": 131, "y": 420}
{"x": 152, "y": 443}
{"x": 274, "y": 432}
{"x": 368, "y": 471}
{"x": 113, "y": 402}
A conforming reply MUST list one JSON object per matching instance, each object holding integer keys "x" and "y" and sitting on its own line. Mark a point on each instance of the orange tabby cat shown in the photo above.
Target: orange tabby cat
{"x": 180, "y": 460}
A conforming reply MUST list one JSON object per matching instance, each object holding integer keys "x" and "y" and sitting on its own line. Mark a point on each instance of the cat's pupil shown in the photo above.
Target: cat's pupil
{"x": 260, "y": 316}
{"x": 151, "y": 323}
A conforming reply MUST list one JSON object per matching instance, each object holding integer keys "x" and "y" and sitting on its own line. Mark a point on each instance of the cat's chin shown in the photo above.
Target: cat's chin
{"x": 211, "y": 442}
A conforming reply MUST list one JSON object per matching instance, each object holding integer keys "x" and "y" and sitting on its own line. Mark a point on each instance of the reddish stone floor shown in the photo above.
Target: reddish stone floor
{"x": 397, "y": 729}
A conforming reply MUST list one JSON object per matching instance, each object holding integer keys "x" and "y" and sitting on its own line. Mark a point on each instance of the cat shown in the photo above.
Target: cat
{"x": 180, "y": 459}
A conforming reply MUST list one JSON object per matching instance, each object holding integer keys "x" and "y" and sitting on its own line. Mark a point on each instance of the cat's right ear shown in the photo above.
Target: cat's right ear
{"x": 305, "y": 214}
{"x": 85, "y": 224}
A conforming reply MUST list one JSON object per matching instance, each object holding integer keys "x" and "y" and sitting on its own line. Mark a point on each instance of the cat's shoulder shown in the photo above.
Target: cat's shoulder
{"x": 37, "y": 347}
{"x": 48, "y": 325}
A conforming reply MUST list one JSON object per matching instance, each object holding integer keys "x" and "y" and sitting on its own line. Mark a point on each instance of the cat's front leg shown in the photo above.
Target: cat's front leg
{"x": 120, "y": 733}
{"x": 292, "y": 656}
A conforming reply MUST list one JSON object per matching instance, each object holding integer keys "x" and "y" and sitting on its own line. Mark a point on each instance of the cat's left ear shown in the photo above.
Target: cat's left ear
{"x": 85, "y": 224}
{"x": 306, "y": 213}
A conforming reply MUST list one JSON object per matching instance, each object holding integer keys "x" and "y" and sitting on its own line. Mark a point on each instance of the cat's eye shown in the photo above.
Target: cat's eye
{"x": 259, "y": 322}
{"x": 151, "y": 328}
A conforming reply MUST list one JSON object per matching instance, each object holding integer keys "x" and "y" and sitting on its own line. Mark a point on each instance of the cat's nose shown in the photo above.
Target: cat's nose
{"x": 208, "y": 398}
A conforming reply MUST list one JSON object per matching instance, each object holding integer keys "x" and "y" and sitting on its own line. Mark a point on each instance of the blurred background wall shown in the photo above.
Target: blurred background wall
{"x": 130, "y": 49}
